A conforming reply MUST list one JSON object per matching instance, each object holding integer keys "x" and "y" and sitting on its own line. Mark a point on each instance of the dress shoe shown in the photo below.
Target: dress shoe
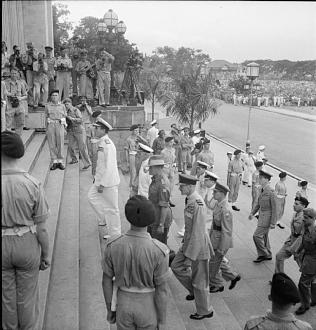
{"x": 26, "y": 128}
{"x": 54, "y": 167}
{"x": 214, "y": 289}
{"x": 301, "y": 310}
{"x": 235, "y": 208}
{"x": 74, "y": 161}
{"x": 197, "y": 316}
{"x": 86, "y": 167}
{"x": 61, "y": 166}
{"x": 279, "y": 224}
{"x": 262, "y": 258}
{"x": 257, "y": 216}
{"x": 189, "y": 297}
{"x": 234, "y": 282}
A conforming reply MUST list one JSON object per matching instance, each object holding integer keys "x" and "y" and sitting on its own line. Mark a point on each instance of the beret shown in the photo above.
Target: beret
{"x": 210, "y": 175}
{"x": 282, "y": 175}
{"x": 156, "y": 160}
{"x": 139, "y": 211}
{"x": 54, "y": 91}
{"x": 134, "y": 127}
{"x": 310, "y": 213}
{"x": 198, "y": 145}
{"x": 258, "y": 163}
{"x": 49, "y": 47}
{"x": 67, "y": 100}
{"x": 247, "y": 144}
{"x": 168, "y": 138}
{"x": 237, "y": 152}
{"x": 221, "y": 187}
{"x": 187, "y": 179}
{"x": 12, "y": 145}
{"x": 229, "y": 153}
{"x": 302, "y": 200}
{"x": 303, "y": 183}
{"x": 265, "y": 174}
{"x": 284, "y": 290}
{"x": 202, "y": 164}
{"x": 96, "y": 113}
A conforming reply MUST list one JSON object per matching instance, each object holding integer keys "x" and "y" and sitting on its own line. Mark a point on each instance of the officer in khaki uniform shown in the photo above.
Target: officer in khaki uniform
{"x": 137, "y": 266}
{"x": 293, "y": 242}
{"x": 266, "y": 205}
{"x": 235, "y": 169}
{"x": 255, "y": 189}
{"x": 191, "y": 263}
{"x": 221, "y": 236}
{"x": 284, "y": 294}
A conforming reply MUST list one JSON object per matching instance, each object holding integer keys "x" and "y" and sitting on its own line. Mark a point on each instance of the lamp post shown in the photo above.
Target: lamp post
{"x": 252, "y": 73}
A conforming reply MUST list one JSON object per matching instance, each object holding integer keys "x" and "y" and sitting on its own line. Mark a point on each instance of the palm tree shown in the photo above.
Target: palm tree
{"x": 193, "y": 98}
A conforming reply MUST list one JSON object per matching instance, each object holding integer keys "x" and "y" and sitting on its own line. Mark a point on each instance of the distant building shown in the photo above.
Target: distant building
{"x": 26, "y": 21}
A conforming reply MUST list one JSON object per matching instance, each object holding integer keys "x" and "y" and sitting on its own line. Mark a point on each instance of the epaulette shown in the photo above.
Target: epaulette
{"x": 100, "y": 148}
{"x": 253, "y": 322}
{"x": 199, "y": 202}
{"x": 162, "y": 247}
{"x": 107, "y": 141}
{"x": 113, "y": 239}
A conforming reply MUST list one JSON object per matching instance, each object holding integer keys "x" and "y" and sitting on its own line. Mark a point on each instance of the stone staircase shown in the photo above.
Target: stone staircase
{"x": 71, "y": 296}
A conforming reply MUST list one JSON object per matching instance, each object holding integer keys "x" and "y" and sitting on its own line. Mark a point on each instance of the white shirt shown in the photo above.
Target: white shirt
{"x": 144, "y": 179}
{"x": 152, "y": 134}
{"x": 107, "y": 173}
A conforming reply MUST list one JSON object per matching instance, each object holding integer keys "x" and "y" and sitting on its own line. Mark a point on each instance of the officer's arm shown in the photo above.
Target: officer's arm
{"x": 164, "y": 205}
{"x": 273, "y": 209}
{"x": 107, "y": 285}
{"x": 226, "y": 232}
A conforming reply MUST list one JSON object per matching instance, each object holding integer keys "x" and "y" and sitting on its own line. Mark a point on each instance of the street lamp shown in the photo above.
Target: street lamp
{"x": 252, "y": 73}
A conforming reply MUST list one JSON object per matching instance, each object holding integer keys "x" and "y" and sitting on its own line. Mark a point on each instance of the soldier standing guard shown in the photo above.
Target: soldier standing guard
{"x": 103, "y": 195}
{"x": 235, "y": 168}
{"x": 76, "y": 135}
{"x": 103, "y": 66}
{"x": 63, "y": 66}
{"x": 55, "y": 113}
{"x": 137, "y": 265}
{"x": 283, "y": 295}
{"x": 50, "y": 60}
{"x": 85, "y": 83}
{"x": 221, "y": 236}
{"x": 266, "y": 205}
{"x": 191, "y": 263}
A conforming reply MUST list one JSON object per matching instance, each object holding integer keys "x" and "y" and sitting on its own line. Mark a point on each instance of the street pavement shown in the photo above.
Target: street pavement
{"x": 290, "y": 141}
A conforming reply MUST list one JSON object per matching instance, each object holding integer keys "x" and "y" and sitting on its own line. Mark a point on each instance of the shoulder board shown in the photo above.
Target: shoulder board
{"x": 107, "y": 141}
{"x": 162, "y": 247}
{"x": 100, "y": 148}
{"x": 113, "y": 239}
{"x": 199, "y": 202}
{"x": 253, "y": 322}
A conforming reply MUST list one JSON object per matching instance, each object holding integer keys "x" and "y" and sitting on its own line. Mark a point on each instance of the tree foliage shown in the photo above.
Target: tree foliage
{"x": 239, "y": 85}
{"x": 61, "y": 24}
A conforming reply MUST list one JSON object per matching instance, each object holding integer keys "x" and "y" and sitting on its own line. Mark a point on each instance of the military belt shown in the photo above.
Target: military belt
{"x": 18, "y": 231}
{"x": 134, "y": 289}
{"x": 218, "y": 228}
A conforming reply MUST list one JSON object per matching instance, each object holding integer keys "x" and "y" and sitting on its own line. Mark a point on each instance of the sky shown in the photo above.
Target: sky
{"x": 235, "y": 31}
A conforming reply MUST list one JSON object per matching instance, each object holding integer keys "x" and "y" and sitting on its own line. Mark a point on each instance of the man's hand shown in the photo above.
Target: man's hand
{"x": 45, "y": 263}
{"x": 160, "y": 229}
{"x": 111, "y": 317}
{"x": 250, "y": 217}
{"x": 100, "y": 189}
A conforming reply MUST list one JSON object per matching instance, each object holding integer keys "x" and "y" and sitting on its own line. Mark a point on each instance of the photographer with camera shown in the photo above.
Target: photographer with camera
{"x": 40, "y": 69}
{"x": 15, "y": 59}
{"x": 83, "y": 69}
{"x": 63, "y": 66}
{"x": 16, "y": 93}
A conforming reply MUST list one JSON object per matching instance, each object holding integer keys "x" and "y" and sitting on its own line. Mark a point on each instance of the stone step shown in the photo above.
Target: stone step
{"x": 62, "y": 310}
{"x": 32, "y": 151}
{"x": 53, "y": 189}
{"x": 27, "y": 137}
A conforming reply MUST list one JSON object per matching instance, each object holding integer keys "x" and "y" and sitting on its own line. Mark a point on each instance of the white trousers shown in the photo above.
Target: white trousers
{"x": 105, "y": 205}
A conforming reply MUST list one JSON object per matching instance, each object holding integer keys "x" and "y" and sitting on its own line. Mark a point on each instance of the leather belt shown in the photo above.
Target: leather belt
{"x": 134, "y": 289}
{"x": 18, "y": 231}
{"x": 215, "y": 227}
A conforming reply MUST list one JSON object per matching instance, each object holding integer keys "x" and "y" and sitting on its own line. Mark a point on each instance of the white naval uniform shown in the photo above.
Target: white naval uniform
{"x": 152, "y": 134}
{"x": 105, "y": 204}
{"x": 144, "y": 179}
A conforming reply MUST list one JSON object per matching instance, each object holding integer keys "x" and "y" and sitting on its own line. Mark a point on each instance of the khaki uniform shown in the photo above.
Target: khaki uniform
{"x": 307, "y": 285}
{"x": 197, "y": 247}
{"x": 132, "y": 147}
{"x": 292, "y": 244}
{"x": 255, "y": 189}
{"x": 280, "y": 191}
{"x": 104, "y": 79}
{"x": 186, "y": 146}
{"x": 169, "y": 157}
{"x": 177, "y": 147}
{"x": 55, "y": 130}
{"x": 140, "y": 264}
{"x": 76, "y": 135}
{"x": 159, "y": 195}
{"x": 274, "y": 322}
{"x": 266, "y": 205}
{"x": 92, "y": 145}
{"x": 105, "y": 204}
{"x": 40, "y": 82}
{"x": 207, "y": 157}
{"x": 144, "y": 179}
{"x": 51, "y": 73}
{"x": 4, "y": 101}
{"x": 85, "y": 83}
{"x": 23, "y": 204}
{"x": 63, "y": 66}
{"x": 221, "y": 236}
{"x": 235, "y": 168}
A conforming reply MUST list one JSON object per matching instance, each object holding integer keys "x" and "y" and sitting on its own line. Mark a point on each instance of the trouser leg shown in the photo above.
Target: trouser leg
{"x": 36, "y": 93}
{"x": 181, "y": 272}
{"x": 82, "y": 85}
{"x": 107, "y": 87}
{"x": 82, "y": 149}
{"x": 9, "y": 116}
{"x": 19, "y": 120}
{"x": 74, "y": 77}
{"x": 282, "y": 255}
{"x": 29, "y": 80}
{"x": 72, "y": 145}
{"x": 9, "y": 306}
{"x": 60, "y": 83}
{"x": 261, "y": 240}
{"x": 51, "y": 139}
{"x": 67, "y": 77}
{"x": 45, "y": 91}
{"x": 3, "y": 117}
{"x": 60, "y": 138}
{"x": 226, "y": 270}
{"x": 51, "y": 85}
{"x": 200, "y": 279}
{"x": 132, "y": 170}
{"x": 162, "y": 237}
{"x": 304, "y": 287}
{"x": 96, "y": 201}
{"x": 232, "y": 187}
{"x": 101, "y": 86}
{"x": 214, "y": 265}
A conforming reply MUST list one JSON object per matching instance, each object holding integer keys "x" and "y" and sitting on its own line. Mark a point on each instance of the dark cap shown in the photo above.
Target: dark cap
{"x": 133, "y": 127}
{"x": 221, "y": 188}
{"x": 303, "y": 183}
{"x": 265, "y": 174}
{"x": 83, "y": 51}
{"x": 284, "y": 290}
{"x": 49, "y": 47}
{"x": 54, "y": 91}
{"x": 258, "y": 163}
{"x": 67, "y": 100}
{"x": 96, "y": 113}
{"x": 247, "y": 144}
{"x": 168, "y": 138}
{"x": 187, "y": 179}
{"x": 139, "y": 211}
{"x": 311, "y": 213}
{"x": 12, "y": 145}
{"x": 282, "y": 175}
{"x": 62, "y": 48}
{"x": 237, "y": 152}
{"x": 82, "y": 97}
{"x": 302, "y": 200}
